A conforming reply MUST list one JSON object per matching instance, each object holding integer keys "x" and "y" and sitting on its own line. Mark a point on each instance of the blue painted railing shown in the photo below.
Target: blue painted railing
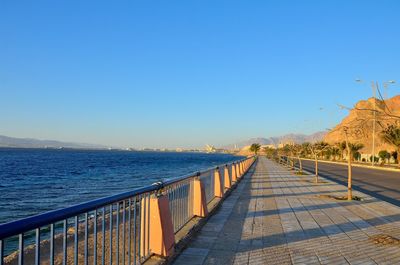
{"x": 101, "y": 231}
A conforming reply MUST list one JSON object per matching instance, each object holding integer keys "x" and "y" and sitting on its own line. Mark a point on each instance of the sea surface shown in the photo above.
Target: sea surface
{"x": 33, "y": 181}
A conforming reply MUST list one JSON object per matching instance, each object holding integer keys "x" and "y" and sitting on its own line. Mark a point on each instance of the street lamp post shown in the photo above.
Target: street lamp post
{"x": 374, "y": 123}
{"x": 375, "y": 86}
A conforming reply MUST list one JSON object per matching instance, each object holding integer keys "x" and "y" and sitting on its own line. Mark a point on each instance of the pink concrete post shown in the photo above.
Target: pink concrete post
{"x": 218, "y": 191}
{"x": 227, "y": 180}
{"x": 199, "y": 199}
{"x": 156, "y": 228}
{"x": 234, "y": 177}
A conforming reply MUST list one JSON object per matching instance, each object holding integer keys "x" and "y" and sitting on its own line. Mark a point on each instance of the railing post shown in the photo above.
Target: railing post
{"x": 238, "y": 170}
{"x": 218, "y": 192}
{"x": 199, "y": 199}
{"x": 144, "y": 223}
{"x": 227, "y": 179}
{"x": 234, "y": 177}
{"x": 157, "y": 228}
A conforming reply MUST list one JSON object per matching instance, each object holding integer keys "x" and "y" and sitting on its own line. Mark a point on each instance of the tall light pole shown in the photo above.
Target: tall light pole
{"x": 374, "y": 123}
{"x": 375, "y": 86}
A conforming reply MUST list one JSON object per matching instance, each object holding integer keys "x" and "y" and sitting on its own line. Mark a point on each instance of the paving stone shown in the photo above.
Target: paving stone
{"x": 276, "y": 217}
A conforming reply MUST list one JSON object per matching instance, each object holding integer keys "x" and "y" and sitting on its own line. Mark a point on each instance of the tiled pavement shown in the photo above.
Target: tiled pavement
{"x": 276, "y": 217}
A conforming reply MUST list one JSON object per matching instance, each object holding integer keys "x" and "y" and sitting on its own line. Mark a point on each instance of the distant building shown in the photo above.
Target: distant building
{"x": 282, "y": 144}
{"x": 212, "y": 149}
{"x": 268, "y": 146}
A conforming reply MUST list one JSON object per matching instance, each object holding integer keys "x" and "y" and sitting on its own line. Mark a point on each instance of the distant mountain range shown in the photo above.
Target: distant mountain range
{"x": 297, "y": 138}
{"x": 6, "y": 141}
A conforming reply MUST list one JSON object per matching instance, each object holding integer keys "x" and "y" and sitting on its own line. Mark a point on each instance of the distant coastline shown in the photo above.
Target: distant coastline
{"x": 31, "y": 143}
{"x": 14, "y": 142}
{"x": 145, "y": 150}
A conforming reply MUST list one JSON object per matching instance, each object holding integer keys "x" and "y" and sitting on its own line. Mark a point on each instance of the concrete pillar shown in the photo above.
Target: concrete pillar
{"x": 199, "y": 199}
{"x": 157, "y": 230}
{"x": 238, "y": 171}
{"x": 234, "y": 177}
{"x": 218, "y": 191}
{"x": 227, "y": 179}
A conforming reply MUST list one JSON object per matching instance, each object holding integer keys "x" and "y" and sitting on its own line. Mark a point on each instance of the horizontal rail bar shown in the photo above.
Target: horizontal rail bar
{"x": 170, "y": 181}
{"x": 29, "y": 223}
{"x": 33, "y": 222}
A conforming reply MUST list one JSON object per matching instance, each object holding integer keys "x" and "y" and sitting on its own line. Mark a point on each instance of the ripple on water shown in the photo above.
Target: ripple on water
{"x": 34, "y": 181}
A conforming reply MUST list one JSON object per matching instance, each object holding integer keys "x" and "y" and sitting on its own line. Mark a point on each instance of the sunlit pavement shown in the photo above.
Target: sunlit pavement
{"x": 276, "y": 217}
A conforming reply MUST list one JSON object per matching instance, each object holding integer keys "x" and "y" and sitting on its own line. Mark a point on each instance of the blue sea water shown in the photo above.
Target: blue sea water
{"x": 33, "y": 181}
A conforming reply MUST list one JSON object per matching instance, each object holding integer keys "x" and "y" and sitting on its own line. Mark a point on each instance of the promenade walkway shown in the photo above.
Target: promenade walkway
{"x": 276, "y": 217}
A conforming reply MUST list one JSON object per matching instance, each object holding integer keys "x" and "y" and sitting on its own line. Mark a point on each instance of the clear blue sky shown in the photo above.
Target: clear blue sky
{"x": 187, "y": 73}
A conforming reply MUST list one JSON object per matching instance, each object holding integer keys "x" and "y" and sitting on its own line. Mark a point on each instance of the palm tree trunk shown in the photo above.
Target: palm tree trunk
{"x": 349, "y": 188}
{"x": 300, "y": 164}
{"x": 349, "y": 172}
{"x": 398, "y": 157}
{"x": 316, "y": 169}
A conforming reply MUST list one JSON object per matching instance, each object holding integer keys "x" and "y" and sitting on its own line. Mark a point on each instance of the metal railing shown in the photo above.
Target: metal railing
{"x": 180, "y": 202}
{"x": 110, "y": 230}
{"x": 207, "y": 178}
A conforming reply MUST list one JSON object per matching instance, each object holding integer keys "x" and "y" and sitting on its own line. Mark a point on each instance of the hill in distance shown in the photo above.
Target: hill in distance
{"x": 362, "y": 111}
{"x": 13, "y": 142}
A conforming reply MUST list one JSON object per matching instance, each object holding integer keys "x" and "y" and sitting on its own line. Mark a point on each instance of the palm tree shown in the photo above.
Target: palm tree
{"x": 335, "y": 151}
{"x": 342, "y": 147}
{"x": 383, "y": 155}
{"x": 269, "y": 151}
{"x": 255, "y": 148}
{"x": 305, "y": 149}
{"x": 391, "y": 135}
{"x": 354, "y": 148}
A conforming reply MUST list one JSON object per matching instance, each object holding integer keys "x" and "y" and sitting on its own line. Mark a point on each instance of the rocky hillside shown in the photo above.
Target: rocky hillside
{"x": 360, "y": 123}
